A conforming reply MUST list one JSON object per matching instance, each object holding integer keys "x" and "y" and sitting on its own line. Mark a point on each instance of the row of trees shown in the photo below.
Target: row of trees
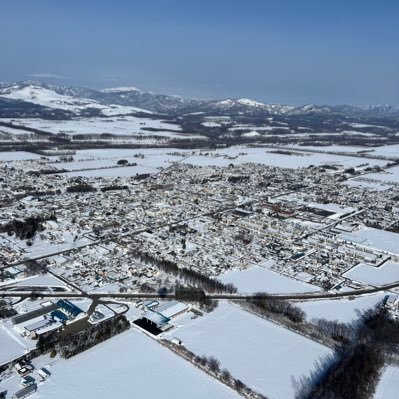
{"x": 212, "y": 366}
{"x": 81, "y": 188}
{"x": 260, "y": 303}
{"x": 189, "y": 276}
{"x": 73, "y": 344}
{"x": 192, "y": 294}
{"x": 114, "y": 187}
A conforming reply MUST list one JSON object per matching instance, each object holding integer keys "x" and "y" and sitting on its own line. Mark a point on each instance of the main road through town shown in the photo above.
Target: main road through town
{"x": 12, "y": 292}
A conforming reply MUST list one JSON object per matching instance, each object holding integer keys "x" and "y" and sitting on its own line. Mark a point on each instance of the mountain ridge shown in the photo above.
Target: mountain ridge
{"x": 171, "y": 104}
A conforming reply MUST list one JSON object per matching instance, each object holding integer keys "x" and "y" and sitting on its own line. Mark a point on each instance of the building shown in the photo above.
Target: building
{"x": 44, "y": 373}
{"x": 150, "y": 305}
{"x": 25, "y": 392}
{"x": 27, "y": 381}
{"x": 157, "y": 320}
{"x": 59, "y": 316}
{"x": 171, "y": 309}
{"x": 43, "y": 326}
{"x": 69, "y": 308}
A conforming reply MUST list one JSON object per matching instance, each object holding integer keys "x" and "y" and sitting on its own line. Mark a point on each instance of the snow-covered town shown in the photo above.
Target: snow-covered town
{"x": 199, "y": 199}
{"x": 80, "y": 250}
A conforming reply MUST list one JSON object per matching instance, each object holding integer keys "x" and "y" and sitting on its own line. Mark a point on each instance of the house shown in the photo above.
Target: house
{"x": 23, "y": 369}
{"x": 44, "y": 373}
{"x": 27, "y": 381}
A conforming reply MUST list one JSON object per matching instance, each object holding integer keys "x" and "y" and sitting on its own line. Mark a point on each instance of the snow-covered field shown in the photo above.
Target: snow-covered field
{"x": 41, "y": 247}
{"x": 387, "y": 150}
{"x": 389, "y": 176}
{"x": 375, "y": 238}
{"x": 129, "y": 365}
{"x": 259, "y": 279}
{"x": 14, "y": 131}
{"x": 17, "y": 156}
{"x": 387, "y": 273}
{"x": 388, "y": 387}
{"x": 126, "y": 125}
{"x": 370, "y": 185}
{"x": 127, "y": 153}
{"x": 112, "y": 172}
{"x": 84, "y": 160}
{"x": 46, "y": 280}
{"x": 267, "y": 357}
{"x": 12, "y": 345}
{"x": 336, "y": 148}
{"x": 264, "y": 156}
{"x": 343, "y": 310}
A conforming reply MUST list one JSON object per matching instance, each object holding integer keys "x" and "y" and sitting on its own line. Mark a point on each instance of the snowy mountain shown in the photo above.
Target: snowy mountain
{"x": 65, "y": 100}
{"x": 120, "y": 96}
{"x": 39, "y": 97}
{"x": 119, "y": 90}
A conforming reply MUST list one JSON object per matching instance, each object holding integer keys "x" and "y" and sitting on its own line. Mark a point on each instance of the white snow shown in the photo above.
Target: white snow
{"x": 259, "y": 279}
{"x": 224, "y": 157}
{"x": 388, "y": 150}
{"x": 363, "y": 125}
{"x": 12, "y": 345}
{"x": 49, "y": 98}
{"x": 46, "y": 280}
{"x": 251, "y": 103}
{"x": 120, "y": 89}
{"x": 387, "y": 273}
{"x": 368, "y": 184}
{"x": 252, "y": 133}
{"x": 126, "y": 366}
{"x": 265, "y": 356}
{"x": 335, "y": 148}
{"x": 343, "y": 310}
{"x": 388, "y": 386}
{"x": 211, "y": 124}
{"x": 120, "y": 126}
{"x": 17, "y": 156}
{"x": 93, "y": 160}
{"x": 375, "y": 238}
{"x": 388, "y": 176}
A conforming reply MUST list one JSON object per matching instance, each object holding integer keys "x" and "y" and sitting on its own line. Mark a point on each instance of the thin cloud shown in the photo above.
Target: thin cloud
{"x": 111, "y": 79}
{"x": 47, "y": 75}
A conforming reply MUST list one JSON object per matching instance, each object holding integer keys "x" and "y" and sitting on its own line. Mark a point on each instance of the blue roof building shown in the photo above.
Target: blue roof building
{"x": 69, "y": 308}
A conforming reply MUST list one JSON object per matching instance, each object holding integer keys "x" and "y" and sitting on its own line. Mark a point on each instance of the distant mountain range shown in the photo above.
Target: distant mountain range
{"x": 79, "y": 101}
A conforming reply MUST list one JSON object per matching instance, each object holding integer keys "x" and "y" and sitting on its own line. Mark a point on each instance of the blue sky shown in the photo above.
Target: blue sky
{"x": 284, "y": 51}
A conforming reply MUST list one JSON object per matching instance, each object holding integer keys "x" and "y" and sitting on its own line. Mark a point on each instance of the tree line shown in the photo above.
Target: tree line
{"x": 354, "y": 370}
{"x": 193, "y": 294}
{"x": 263, "y": 305}
{"x": 189, "y": 276}
{"x": 81, "y": 188}
{"x": 73, "y": 344}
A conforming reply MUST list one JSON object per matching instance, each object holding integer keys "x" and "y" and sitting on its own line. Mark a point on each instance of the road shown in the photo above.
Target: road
{"x": 136, "y": 295}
